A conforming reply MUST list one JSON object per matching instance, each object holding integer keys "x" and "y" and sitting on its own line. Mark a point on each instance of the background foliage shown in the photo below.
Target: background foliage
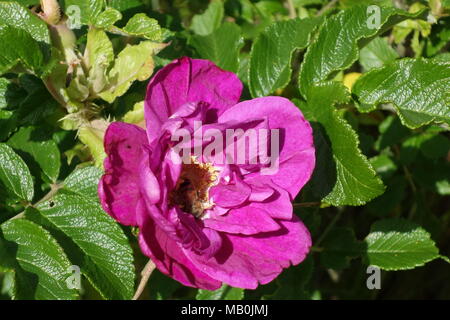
{"x": 378, "y": 98}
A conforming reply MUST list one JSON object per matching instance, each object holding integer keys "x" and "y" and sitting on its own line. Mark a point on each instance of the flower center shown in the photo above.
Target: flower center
{"x": 191, "y": 193}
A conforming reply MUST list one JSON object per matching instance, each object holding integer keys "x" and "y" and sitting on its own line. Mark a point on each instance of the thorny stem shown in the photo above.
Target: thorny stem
{"x": 329, "y": 227}
{"x": 326, "y": 7}
{"x": 52, "y": 90}
{"x": 410, "y": 179}
{"x": 291, "y": 8}
{"x": 307, "y": 204}
{"x": 54, "y": 189}
{"x": 408, "y": 174}
{"x": 146, "y": 273}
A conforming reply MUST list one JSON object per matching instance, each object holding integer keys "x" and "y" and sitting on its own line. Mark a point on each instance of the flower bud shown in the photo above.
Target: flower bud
{"x": 51, "y": 11}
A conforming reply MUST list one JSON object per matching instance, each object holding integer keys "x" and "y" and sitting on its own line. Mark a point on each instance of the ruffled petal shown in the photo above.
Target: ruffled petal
{"x": 119, "y": 188}
{"x": 189, "y": 80}
{"x": 230, "y": 194}
{"x": 170, "y": 259}
{"x": 278, "y": 205}
{"x": 297, "y": 156}
{"x": 246, "y": 261}
{"x": 245, "y": 220}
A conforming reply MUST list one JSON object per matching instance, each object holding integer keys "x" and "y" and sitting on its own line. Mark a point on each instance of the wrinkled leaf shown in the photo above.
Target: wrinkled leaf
{"x": 398, "y": 244}
{"x": 105, "y": 256}
{"x": 337, "y": 45}
{"x": 14, "y": 174}
{"x": 419, "y": 89}
{"x": 205, "y": 23}
{"x": 270, "y": 61}
{"x": 345, "y": 176}
{"x": 221, "y": 47}
{"x": 38, "y": 253}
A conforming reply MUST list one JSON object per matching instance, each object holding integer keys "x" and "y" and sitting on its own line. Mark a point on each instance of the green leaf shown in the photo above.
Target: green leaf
{"x": 34, "y": 144}
{"x": 84, "y": 182}
{"x": 14, "y": 174}
{"x": 92, "y": 135}
{"x": 395, "y": 192}
{"x": 339, "y": 246}
{"x": 133, "y": 63}
{"x": 221, "y": 47}
{"x": 419, "y": 89}
{"x": 16, "y": 15}
{"x": 89, "y": 9}
{"x": 18, "y": 48}
{"x": 224, "y": 293}
{"x": 38, "y": 253}
{"x": 124, "y": 6}
{"x": 107, "y": 18}
{"x": 399, "y": 244}
{"x": 270, "y": 58}
{"x": 383, "y": 165}
{"x": 345, "y": 176}
{"x": 140, "y": 25}
{"x": 337, "y": 45}
{"x": 10, "y": 94}
{"x": 37, "y": 114}
{"x": 104, "y": 254}
{"x": 162, "y": 287}
{"x": 100, "y": 54}
{"x": 136, "y": 115}
{"x": 433, "y": 175}
{"x": 376, "y": 54}
{"x": 434, "y": 145}
{"x": 205, "y": 23}
{"x": 8, "y": 123}
{"x": 391, "y": 132}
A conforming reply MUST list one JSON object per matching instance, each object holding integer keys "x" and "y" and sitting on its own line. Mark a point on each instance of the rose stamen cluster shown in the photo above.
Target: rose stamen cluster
{"x": 191, "y": 193}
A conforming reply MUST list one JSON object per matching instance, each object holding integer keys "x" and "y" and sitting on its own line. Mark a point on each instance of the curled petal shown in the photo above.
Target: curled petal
{"x": 245, "y": 220}
{"x": 278, "y": 205}
{"x": 119, "y": 189}
{"x": 170, "y": 259}
{"x": 246, "y": 261}
{"x": 231, "y": 193}
{"x": 189, "y": 80}
{"x": 296, "y": 148}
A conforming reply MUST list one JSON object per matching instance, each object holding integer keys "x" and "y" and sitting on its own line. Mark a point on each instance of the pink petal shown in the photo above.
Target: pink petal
{"x": 260, "y": 193}
{"x": 245, "y": 220}
{"x": 119, "y": 188}
{"x": 297, "y": 157}
{"x": 278, "y": 205}
{"x": 169, "y": 258}
{"x": 230, "y": 194}
{"x": 189, "y": 80}
{"x": 246, "y": 261}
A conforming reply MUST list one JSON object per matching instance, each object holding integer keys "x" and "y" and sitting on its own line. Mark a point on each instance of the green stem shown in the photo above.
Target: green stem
{"x": 52, "y": 90}
{"x": 54, "y": 189}
{"x": 307, "y": 204}
{"x": 326, "y": 7}
{"x": 329, "y": 227}
{"x": 291, "y": 8}
{"x": 146, "y": 273}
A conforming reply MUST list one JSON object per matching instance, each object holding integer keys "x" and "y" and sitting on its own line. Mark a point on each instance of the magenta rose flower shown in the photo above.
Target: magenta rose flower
{"x": 214, "y": 216}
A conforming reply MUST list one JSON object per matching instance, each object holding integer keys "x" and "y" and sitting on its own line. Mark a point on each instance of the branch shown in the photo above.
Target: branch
{"x": 291, "y": 8}
{"x": 326, "y": 7}
{"x": 307, "y": 204}
{"x": 145, "y": 274}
